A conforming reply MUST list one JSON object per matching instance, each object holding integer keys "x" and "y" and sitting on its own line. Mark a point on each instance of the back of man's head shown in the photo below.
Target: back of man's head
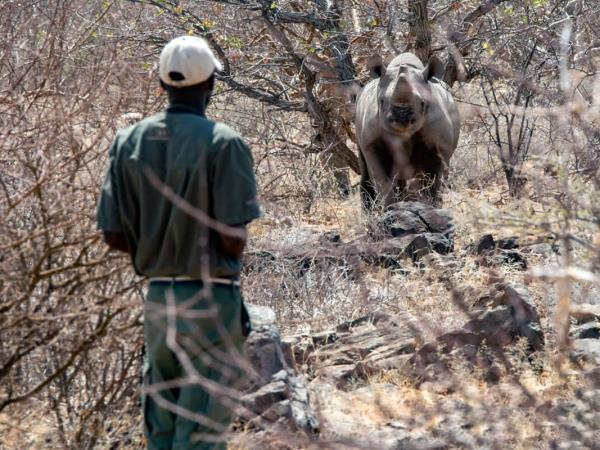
{"x": 187, "y": 61}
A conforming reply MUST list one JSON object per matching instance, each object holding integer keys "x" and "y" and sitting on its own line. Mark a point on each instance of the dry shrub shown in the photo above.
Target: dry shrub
{"x": 71, "y": 73}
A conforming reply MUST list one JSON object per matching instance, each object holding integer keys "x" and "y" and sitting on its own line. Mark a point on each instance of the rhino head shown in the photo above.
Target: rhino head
{"x": 403, "y": 93}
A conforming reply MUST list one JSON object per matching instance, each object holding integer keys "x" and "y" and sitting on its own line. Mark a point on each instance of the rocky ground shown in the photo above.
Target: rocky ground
{"x": 385, "y": 381}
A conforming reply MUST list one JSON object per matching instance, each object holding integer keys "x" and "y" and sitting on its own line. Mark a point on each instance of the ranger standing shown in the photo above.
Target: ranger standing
{"x": 177, "y": 196}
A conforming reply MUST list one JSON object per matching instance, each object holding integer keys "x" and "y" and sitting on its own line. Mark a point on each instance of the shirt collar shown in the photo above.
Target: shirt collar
{"x": 185, "y": 108}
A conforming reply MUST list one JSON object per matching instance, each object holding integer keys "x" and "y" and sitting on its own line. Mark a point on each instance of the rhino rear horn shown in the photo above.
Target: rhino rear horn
{"x": 376, "y": 66}
{"x": 434, "y": 68}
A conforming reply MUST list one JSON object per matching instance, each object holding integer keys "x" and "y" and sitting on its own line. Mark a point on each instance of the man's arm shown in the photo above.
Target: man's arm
{"x": 234, "y": 246}
{"x": 233, "y": 192}
{"x": 108, "y": 212}
{"x": 116, "y": 240}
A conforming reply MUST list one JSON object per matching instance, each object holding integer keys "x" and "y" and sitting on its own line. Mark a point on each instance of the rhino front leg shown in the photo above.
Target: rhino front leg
{"x": 398, "y": 192}
{"x": 377, "y": 185}
{"x": 432, "y": 185}
{"x": 367, "y": 189}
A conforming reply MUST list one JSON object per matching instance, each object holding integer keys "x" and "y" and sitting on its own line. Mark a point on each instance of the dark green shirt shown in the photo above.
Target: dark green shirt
{"x": 203, "y": 162}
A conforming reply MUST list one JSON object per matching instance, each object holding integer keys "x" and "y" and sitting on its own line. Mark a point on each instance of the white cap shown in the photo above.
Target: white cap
{"x": 187, "y": 60}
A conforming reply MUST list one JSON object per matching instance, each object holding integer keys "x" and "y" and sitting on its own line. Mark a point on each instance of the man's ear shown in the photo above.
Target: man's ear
{"x": 434, "y": 68}
{"x": 376, "y": 66}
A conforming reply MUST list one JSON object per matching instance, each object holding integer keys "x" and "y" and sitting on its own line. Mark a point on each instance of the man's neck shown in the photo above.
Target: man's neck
{"x": 197, "y": 102}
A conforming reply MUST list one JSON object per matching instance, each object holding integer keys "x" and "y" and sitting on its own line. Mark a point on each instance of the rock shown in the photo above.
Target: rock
{"x": 265, "y": 397}
{"x": 501, "y": 317}
{"x": 584, "y": 313}
{"x": 589, "y": 330}
{"x": 349, "y": 258}
{"x": 260, "y": 316}
{"x": 486, "y": 242}
{"x": 593, "y": 378}
{"x": 287, "y": 398}
{"x": 528, "y": 243}
{"x": 508, "y": 243}
{"x": 526, "y": 320}
{"x": 363, "y": 347}
{"x": 426, "y": 229}
{"x": 402, "y": 223}
{"x": 588, "y": 350}
{"x": 339, "y": 374}
{"x": 266, "y": 352}
{"x": 426, "y": 243}
{"x": 333, "y": 237}
{"x": 408, "y": 218}
{"x": 540, "y": 249}
{"x": 278, "y": 391}
{"x": 301, "y": 411}
{"x": 276, "y": 411}
{"x": 257, "y": 261}
{"x": 510, "y": 250}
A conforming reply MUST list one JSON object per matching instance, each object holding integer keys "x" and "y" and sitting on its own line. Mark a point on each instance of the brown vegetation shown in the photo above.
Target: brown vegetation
{"x": 528, "y": 163}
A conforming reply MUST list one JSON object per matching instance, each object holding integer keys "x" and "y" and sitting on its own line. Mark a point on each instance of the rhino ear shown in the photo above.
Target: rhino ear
{"x": 435, "y": 68}
{"x": 376, "y": 66}
{"x": 455, "y": 68}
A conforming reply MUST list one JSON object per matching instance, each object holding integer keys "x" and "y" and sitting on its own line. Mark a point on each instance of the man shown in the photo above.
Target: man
{"x": 178, "y": 194}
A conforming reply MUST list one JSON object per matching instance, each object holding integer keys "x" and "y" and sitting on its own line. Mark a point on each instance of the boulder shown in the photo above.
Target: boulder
{"x": 492, "y": 255}
{"x": 410, "y": 218}
{"x": 286, "y": 397}
{"x": 278, "y": 392}
{"x": 585, "y": 332}
{"x": 333, "y": 237}
{"x": 264, "y": 398}
{"x": 525, "y": 320}
{"x": 265, "y": 351}
{"x": 585, "y": 312}
{"x": 527, "y": 244}
{"x": 587, "y": 350}
{"x": 427, "y": 243}
{"x": 510, "y": 250}
{"x": 505, "y": 257}
{"x": 357, "y": 349}
{"x": 423, "y": 228}
{"x": 486, "y": 243}
{"x": 588, "y": 330}
{"x": 500, "y": 317}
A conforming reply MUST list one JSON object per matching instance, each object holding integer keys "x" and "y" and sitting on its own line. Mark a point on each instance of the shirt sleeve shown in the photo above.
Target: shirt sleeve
{"x": 233, "y": 185}
{"x": 107, "y": 214}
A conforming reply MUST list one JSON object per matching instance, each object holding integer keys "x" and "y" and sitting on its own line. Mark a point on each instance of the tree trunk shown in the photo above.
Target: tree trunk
{"x": 419, "y": 28}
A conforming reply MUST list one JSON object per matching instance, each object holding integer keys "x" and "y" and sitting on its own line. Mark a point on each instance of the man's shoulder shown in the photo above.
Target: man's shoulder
{"x": 223, "y": 134}
{"x": 139, "y": 127}
{"x": 224, "y": 131}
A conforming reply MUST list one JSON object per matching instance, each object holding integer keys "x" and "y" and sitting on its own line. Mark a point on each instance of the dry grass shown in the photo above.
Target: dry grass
{"x": 71, "y": 73}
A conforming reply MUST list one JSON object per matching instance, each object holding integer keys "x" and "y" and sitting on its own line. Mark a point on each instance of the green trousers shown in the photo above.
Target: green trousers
{"x": 193, "y": 339}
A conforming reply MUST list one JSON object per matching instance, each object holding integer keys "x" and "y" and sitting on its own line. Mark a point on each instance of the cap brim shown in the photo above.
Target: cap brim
{"x": 218, "y": 65}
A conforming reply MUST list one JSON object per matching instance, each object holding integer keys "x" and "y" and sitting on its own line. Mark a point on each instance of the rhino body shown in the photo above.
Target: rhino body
{"x": 407, "y": 128}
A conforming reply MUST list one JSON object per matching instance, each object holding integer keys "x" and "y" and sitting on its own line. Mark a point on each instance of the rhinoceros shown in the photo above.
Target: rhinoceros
{"x": 407, "y": 128}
